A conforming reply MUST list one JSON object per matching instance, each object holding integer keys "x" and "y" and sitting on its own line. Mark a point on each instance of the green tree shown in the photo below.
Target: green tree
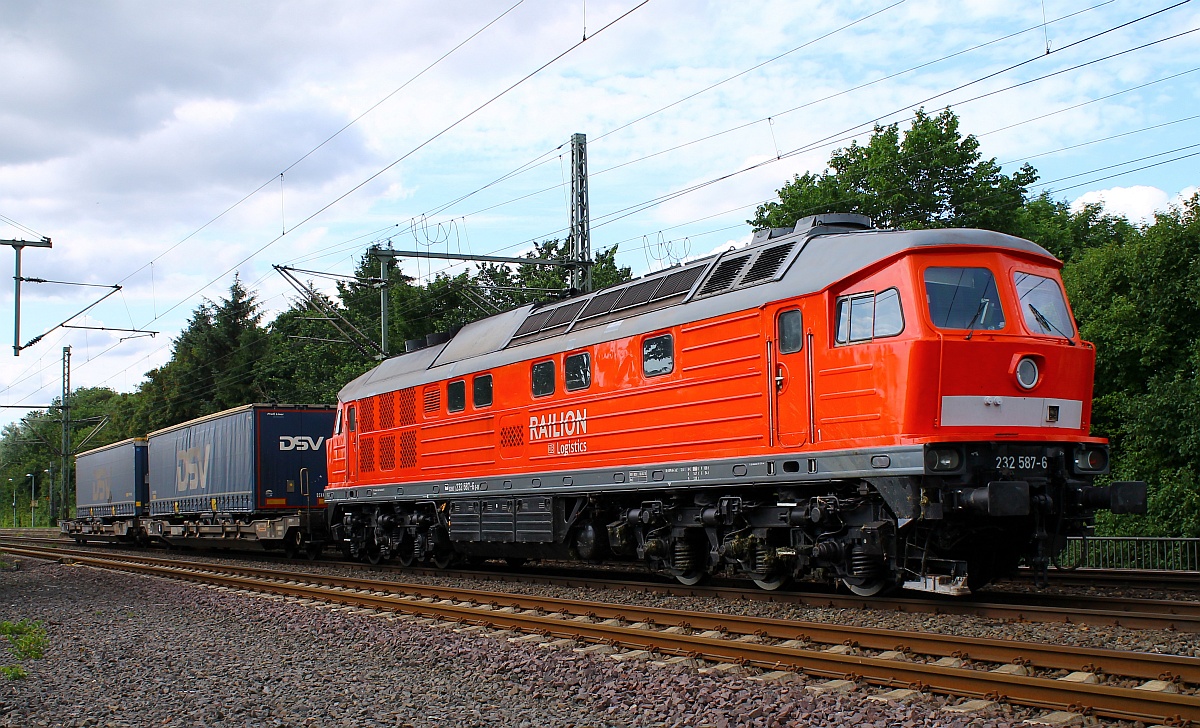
{"x": 306, "y": 360}
{"x": 236, "y": 343}
{"x": 931, "y": 177}
{"x": 1135, "y": 298}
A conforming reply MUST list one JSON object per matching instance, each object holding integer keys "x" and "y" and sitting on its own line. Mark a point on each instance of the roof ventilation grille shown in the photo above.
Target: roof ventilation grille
{"x": 680, "y": 281}
{"x": 638, "y": 293}
{"x": 601, "y": 303}
{"x": 564, "y": 314}
{"x": 767, "y": 264}
{"x": 533, "y": 322}
{"x": 724, "y": 275}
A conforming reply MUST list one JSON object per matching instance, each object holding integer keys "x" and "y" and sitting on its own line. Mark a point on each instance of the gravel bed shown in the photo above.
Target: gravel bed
{"x": 1082, "y": 635}
{"x": 128, "y": 650}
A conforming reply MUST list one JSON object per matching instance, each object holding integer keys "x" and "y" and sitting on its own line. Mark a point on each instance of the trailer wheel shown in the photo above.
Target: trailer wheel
{"x": 293, "y": 544}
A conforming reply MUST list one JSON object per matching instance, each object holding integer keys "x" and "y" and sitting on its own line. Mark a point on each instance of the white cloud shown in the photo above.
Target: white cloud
{"x": 125, "y": 128}
{"x": 1138, "y": 204}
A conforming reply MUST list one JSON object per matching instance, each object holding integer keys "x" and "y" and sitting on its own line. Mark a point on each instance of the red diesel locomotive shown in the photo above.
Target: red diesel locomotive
{"x": 835, "y": 402}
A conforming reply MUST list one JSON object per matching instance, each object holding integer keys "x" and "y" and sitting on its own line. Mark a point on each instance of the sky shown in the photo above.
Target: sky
{"x": 167, "y": 147}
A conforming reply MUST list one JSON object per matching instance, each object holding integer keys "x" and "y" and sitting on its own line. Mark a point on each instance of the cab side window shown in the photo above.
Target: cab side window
{"x": 351, "y": 421}
{"x": 867, "y": 316}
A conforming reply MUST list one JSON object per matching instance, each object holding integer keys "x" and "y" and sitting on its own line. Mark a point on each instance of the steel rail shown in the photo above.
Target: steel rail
{"x": 440, "y": 603}
{"x": 1177, "y": 615}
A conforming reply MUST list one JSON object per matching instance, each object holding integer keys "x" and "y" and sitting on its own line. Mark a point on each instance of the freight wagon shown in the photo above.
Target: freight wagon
{"x": 111, "y": 494}
{"x": 249, "y": 477}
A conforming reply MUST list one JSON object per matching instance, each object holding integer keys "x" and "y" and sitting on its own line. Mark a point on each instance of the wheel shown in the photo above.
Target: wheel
{"x": 442, "y": 559}
{"x": 866, "y": 589}
{"x": 373, "y": 557}
{"x": 772, "y": 583}
{"x": 312, "y": 551}
{"x": 691, "y": 578}
{"x": 406, "y": 558}
{"x": 293, "y": 545}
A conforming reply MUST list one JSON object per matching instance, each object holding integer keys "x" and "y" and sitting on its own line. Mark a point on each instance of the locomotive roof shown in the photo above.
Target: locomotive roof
{"x": 779, "y": 263}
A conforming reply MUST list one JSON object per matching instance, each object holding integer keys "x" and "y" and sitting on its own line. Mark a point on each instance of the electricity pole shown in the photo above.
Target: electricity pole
{"x": 581, "y": 235}
{"x": 66, "y": 425}
{"x": 18, "y": 245}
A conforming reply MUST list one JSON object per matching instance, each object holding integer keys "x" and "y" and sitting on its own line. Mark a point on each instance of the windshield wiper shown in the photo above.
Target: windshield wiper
{"x": 979, "y": 312}
{"x": 1046, "y": 324}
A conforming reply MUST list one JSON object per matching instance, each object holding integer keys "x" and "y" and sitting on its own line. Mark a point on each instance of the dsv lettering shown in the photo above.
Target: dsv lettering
{"x": 300, "y": 443}
{"x": 191, "y": 468}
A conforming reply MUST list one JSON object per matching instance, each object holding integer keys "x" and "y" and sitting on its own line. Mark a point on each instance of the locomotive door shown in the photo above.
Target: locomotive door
{"x": 789, "y": 375}
{"x": 351, "y": 445}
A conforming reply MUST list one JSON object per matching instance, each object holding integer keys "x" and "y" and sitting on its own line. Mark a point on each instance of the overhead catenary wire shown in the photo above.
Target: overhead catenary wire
{"x": 745, "y": 125}
{"x": 1057, "y": 49}
{"x": 404, "y": 156}
{"x": 841, "y": 136}
{"x": 330, "y": 138}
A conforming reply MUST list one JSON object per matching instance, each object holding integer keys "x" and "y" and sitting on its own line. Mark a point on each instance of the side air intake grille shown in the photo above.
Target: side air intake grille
{"x": 767, "y": 263}
{"x": 724, "y": 276}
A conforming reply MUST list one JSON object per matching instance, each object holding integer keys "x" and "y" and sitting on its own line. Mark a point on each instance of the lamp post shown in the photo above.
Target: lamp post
{"x": 50, "y": 496}
{"x": 13, "y": 487}
{"x": 32, "y": 497}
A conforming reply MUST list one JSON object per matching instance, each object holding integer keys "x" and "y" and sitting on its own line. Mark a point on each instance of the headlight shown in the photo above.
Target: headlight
{"x": 1027, "y": 373}
{"x": 1092, "y": 460}
{"x": 942, "y": 459}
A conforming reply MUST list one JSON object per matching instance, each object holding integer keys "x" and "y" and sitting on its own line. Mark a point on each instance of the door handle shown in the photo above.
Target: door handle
{"x": 779, "y": 379}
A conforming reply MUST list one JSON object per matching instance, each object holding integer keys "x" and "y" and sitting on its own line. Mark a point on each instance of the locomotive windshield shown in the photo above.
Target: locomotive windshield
{"x": 1043, "y": 305}
{"x": 963, "y": 298}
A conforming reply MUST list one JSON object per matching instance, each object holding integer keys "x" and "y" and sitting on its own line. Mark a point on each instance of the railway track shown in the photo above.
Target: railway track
{"x": 1122, "y": 685}
{"x": 1092, "y": 610}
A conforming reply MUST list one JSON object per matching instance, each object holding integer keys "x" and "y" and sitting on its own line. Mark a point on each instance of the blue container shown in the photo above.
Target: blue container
{"x": 249, "y": 460}
{"x": 111, "y": 481}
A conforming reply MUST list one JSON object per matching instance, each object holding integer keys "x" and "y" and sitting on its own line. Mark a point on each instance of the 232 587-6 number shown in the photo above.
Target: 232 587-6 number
{"x": 1022, "y": 462}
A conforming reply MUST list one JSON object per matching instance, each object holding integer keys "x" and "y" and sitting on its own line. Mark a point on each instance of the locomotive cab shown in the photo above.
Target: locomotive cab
{"x": 998, "y": 391}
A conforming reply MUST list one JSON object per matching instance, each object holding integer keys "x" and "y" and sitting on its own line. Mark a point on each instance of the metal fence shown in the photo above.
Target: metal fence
{"x": 1132, "y": 552}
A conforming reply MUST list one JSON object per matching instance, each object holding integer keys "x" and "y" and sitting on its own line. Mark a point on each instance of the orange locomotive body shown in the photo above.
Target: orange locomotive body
{"x": 878, "y": 407}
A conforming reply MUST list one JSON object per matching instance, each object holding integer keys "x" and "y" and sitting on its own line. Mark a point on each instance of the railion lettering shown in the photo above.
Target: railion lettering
{"x": 556, "y": 425}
